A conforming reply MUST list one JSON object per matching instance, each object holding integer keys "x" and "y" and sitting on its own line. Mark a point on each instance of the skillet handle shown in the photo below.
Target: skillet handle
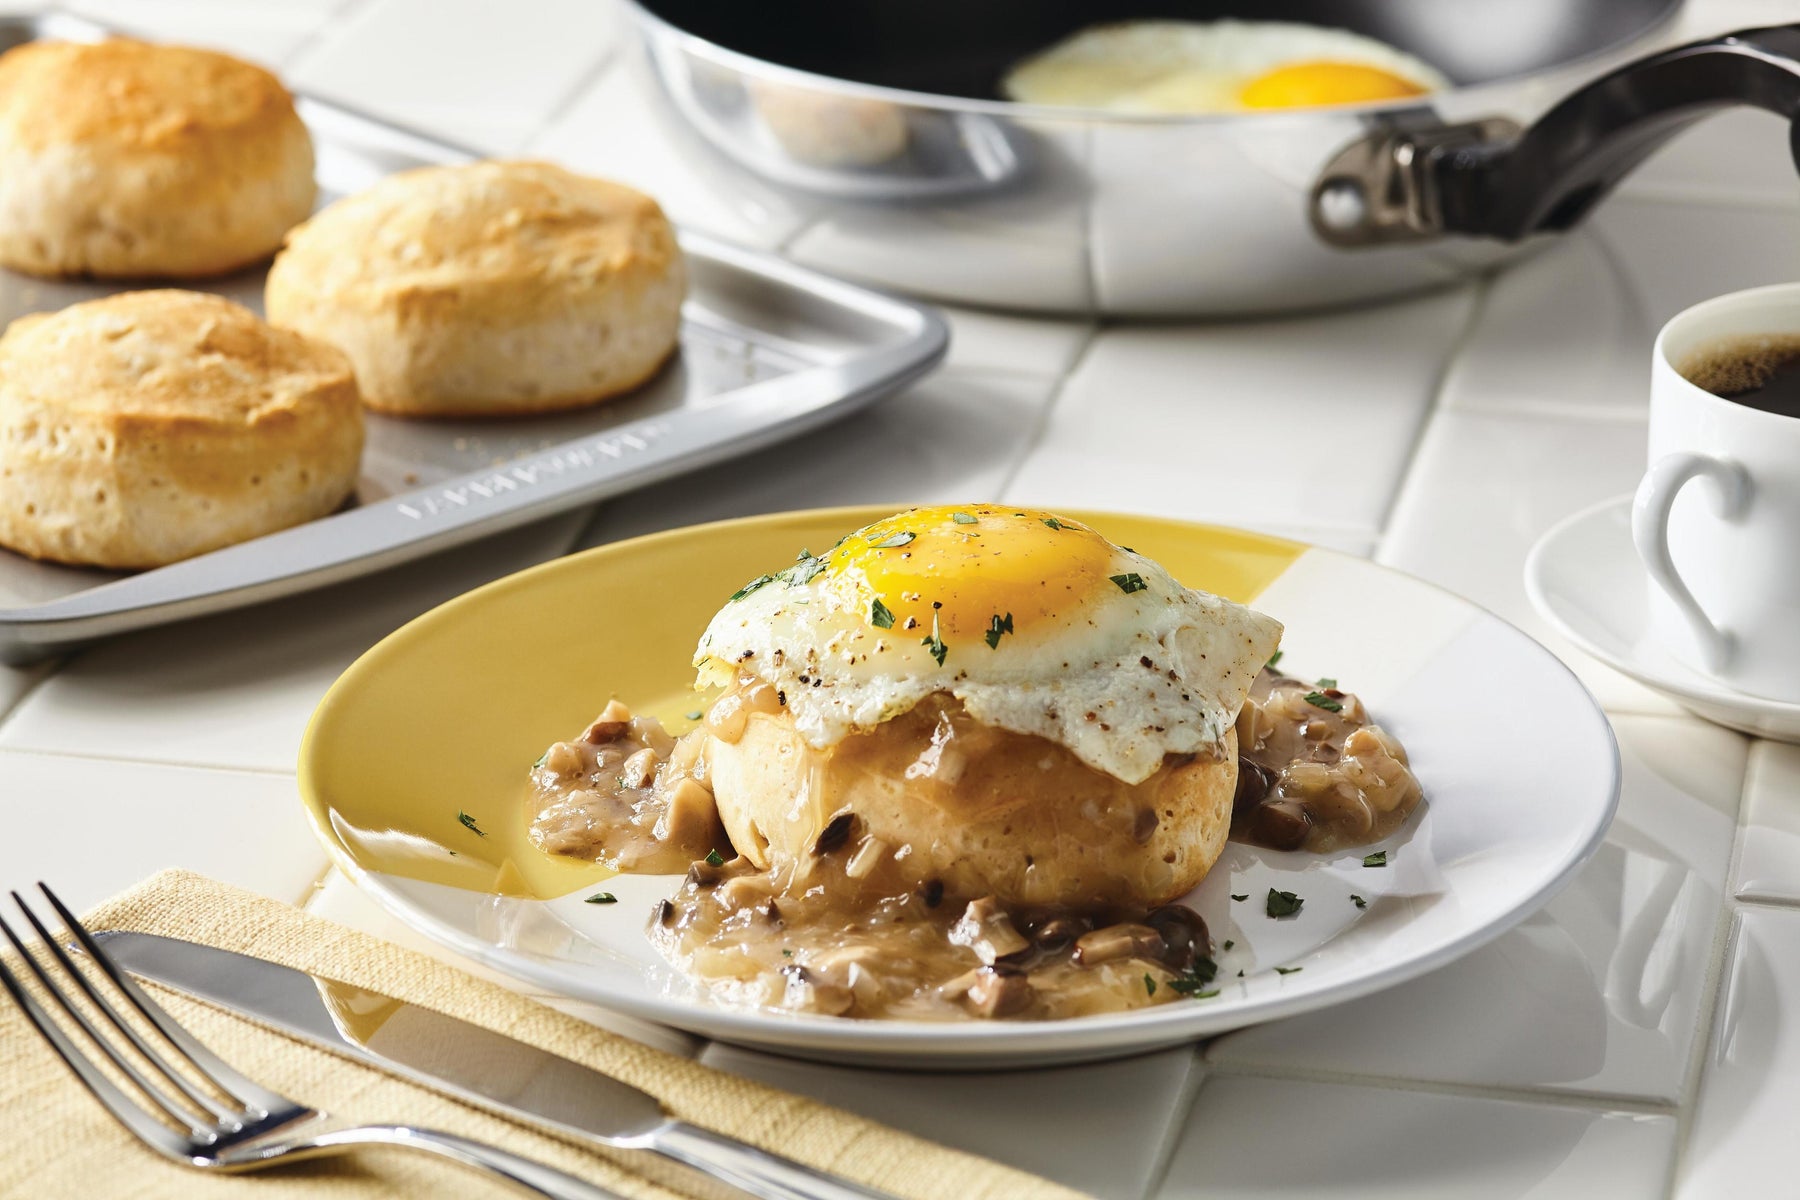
{"x": 1491, "y": 179}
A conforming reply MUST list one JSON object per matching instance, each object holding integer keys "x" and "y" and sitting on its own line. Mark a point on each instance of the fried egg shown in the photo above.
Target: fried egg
{"x": 1218, "y": 67}
{"x": 1037, "y": 624}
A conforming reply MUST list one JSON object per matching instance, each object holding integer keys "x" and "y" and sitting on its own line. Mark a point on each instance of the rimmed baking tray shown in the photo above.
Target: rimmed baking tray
{"x": 768, "y": 350}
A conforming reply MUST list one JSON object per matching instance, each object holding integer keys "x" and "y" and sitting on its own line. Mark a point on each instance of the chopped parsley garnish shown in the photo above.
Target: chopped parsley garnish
{"x": 1206, "y": 995}
{"x": 1149, "y": 985}
{"x": 1282, "y": 904}
{"x": 714, "y": 859}
{"x": 1053, "y": 523}
{"x": 1321, "y": 700}
{"x": 997, "y": 628}
{"x": 601, "y": 898}
{"x": 759, "y": 581}
{"x": 1236, "y": 896}
{"x": 962, "y": 518}
{"x": 1377, "y": 859}
{"x": 1358, "y": 900}
{"x": 803, "y": 570}
{"x": 1198, "y": 974}
{"x": 469, "y": 824}
{"x": 934, "y": 643}
{"x": 1273, "y": 659}
{"x": 880, "y": 615}
{"x": 1129, "y": 582}
{"x": 695, "y": 715}
{"x": 1326, "y": 683}
{"x": 1289, "y": 970}
{"x": 1228, "y": 944}
{"x": 787, "y": 954}
{"x": 904, "y": 537}
{"x": 540, "y": 761}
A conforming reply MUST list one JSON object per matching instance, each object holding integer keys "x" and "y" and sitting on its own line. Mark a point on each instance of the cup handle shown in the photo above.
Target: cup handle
{"x": 1650, "y": 531}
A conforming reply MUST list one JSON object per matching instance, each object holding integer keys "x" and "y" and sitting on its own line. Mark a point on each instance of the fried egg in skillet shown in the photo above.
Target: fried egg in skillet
{"x": 1174, "y": 67}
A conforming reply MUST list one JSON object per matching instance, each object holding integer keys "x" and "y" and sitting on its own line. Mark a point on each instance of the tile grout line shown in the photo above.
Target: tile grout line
{"x": 1179, "y": 1114}
{"x": 1636, "y": 314}
{"x": 315, "y": 886}
{"x": 1573, "y": 1100}
{"x": 1716, "y": 968}
{"x": 37, "y": 681}
{"x": 1434, "y": 406}
{"x": 333, "y": 21}
{"x": 1771, "y": 903}
{"x": 1536, "y": 411}
{"x": 584, "y": 83}
{"x": 172, "y": 764}
{"x": 1512, "y": 415}
{"x": 1042, "y": 426}
{"x": 1687, "y": 1114}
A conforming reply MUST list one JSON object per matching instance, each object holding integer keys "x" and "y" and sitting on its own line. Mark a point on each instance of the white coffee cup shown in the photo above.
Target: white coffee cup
{"x": 1723, "y": 555}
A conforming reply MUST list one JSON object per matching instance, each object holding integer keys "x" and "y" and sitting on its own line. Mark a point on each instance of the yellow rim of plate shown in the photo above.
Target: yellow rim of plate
{"x": 443, "y": 716}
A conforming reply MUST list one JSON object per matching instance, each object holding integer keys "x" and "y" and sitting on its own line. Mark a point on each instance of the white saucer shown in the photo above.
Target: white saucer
{"x": 1586, "y": 579}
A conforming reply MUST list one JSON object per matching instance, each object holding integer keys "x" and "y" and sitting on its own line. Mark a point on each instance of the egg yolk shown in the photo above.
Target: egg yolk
{"x": 973, "y": 570}
{"x": 1318, "y": 84}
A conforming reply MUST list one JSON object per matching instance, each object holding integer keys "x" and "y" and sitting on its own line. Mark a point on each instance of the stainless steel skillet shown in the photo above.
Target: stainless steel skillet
{"x": 878, "y": 124}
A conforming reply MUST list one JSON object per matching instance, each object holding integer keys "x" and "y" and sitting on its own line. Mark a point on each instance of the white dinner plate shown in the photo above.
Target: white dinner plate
{"x": 443, "y": 719}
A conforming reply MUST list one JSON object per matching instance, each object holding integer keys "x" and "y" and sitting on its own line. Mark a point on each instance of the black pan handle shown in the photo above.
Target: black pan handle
{"x": 1492, "y": 179}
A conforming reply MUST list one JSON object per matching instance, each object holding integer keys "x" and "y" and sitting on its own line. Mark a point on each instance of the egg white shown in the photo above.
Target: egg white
{"x": 1191, "y": 66}
{"x": 1120, "y": 677}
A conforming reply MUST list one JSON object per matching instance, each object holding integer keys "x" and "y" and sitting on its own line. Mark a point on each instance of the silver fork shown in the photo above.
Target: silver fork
{"x": 178, "y": 1119}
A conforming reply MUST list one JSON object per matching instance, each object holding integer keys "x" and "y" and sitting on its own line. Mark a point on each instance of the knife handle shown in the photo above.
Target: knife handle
{"x": 525, "y": 1174}
{"x": 765, "y": 1175}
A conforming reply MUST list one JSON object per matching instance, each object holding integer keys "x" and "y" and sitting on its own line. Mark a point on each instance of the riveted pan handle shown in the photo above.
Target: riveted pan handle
{"x": 1492, "y": 179}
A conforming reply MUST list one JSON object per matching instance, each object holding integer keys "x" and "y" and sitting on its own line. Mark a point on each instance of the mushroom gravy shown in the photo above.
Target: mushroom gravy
{"x": 843, "y": 936}
{"x": 848, "y": 927}
{"x": 628, "y": 795}
{"x": 1313, "y": 772}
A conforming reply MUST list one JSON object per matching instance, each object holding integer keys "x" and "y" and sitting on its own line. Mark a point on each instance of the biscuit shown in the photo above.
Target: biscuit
{"x": 1011, "y": 827}
{"x": 123, "y": 159}
{"x": 151, "y": 426}
{"x": 490, "y": 289}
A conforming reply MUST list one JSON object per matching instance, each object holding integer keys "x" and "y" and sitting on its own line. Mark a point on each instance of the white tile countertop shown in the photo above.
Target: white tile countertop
{"x": 1638, "y": 1037}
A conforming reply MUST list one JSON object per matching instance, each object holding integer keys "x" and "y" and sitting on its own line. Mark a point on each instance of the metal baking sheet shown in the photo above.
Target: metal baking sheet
{"x": 768, "y": 350}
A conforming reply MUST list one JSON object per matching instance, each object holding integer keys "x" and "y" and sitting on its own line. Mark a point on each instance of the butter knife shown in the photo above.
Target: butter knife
{"x": 477, "y": 1065}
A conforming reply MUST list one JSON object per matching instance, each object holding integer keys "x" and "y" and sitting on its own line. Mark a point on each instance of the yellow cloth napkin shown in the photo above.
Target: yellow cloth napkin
{"x": 56, "y": 1141}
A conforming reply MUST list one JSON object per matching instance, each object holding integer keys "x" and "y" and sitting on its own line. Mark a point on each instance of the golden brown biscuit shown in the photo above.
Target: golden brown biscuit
{"x": 1023, "y": 819}
{"x": 148, "y": 427}
{"x": 491, "y": 289}
{"x": 124, "y": 159}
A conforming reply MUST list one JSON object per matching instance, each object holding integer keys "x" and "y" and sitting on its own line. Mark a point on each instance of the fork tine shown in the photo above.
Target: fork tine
{"x": 219, "y": 1112}
{"x": 258, "y": 1100}
{"x": 134, "y": 1116}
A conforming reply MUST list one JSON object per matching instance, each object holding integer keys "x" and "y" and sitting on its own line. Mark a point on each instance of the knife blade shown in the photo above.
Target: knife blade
{"x": 477, "y": 1065}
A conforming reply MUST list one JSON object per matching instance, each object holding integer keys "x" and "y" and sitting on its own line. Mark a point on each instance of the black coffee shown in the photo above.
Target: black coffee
{"x": 1759, "y": 372}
